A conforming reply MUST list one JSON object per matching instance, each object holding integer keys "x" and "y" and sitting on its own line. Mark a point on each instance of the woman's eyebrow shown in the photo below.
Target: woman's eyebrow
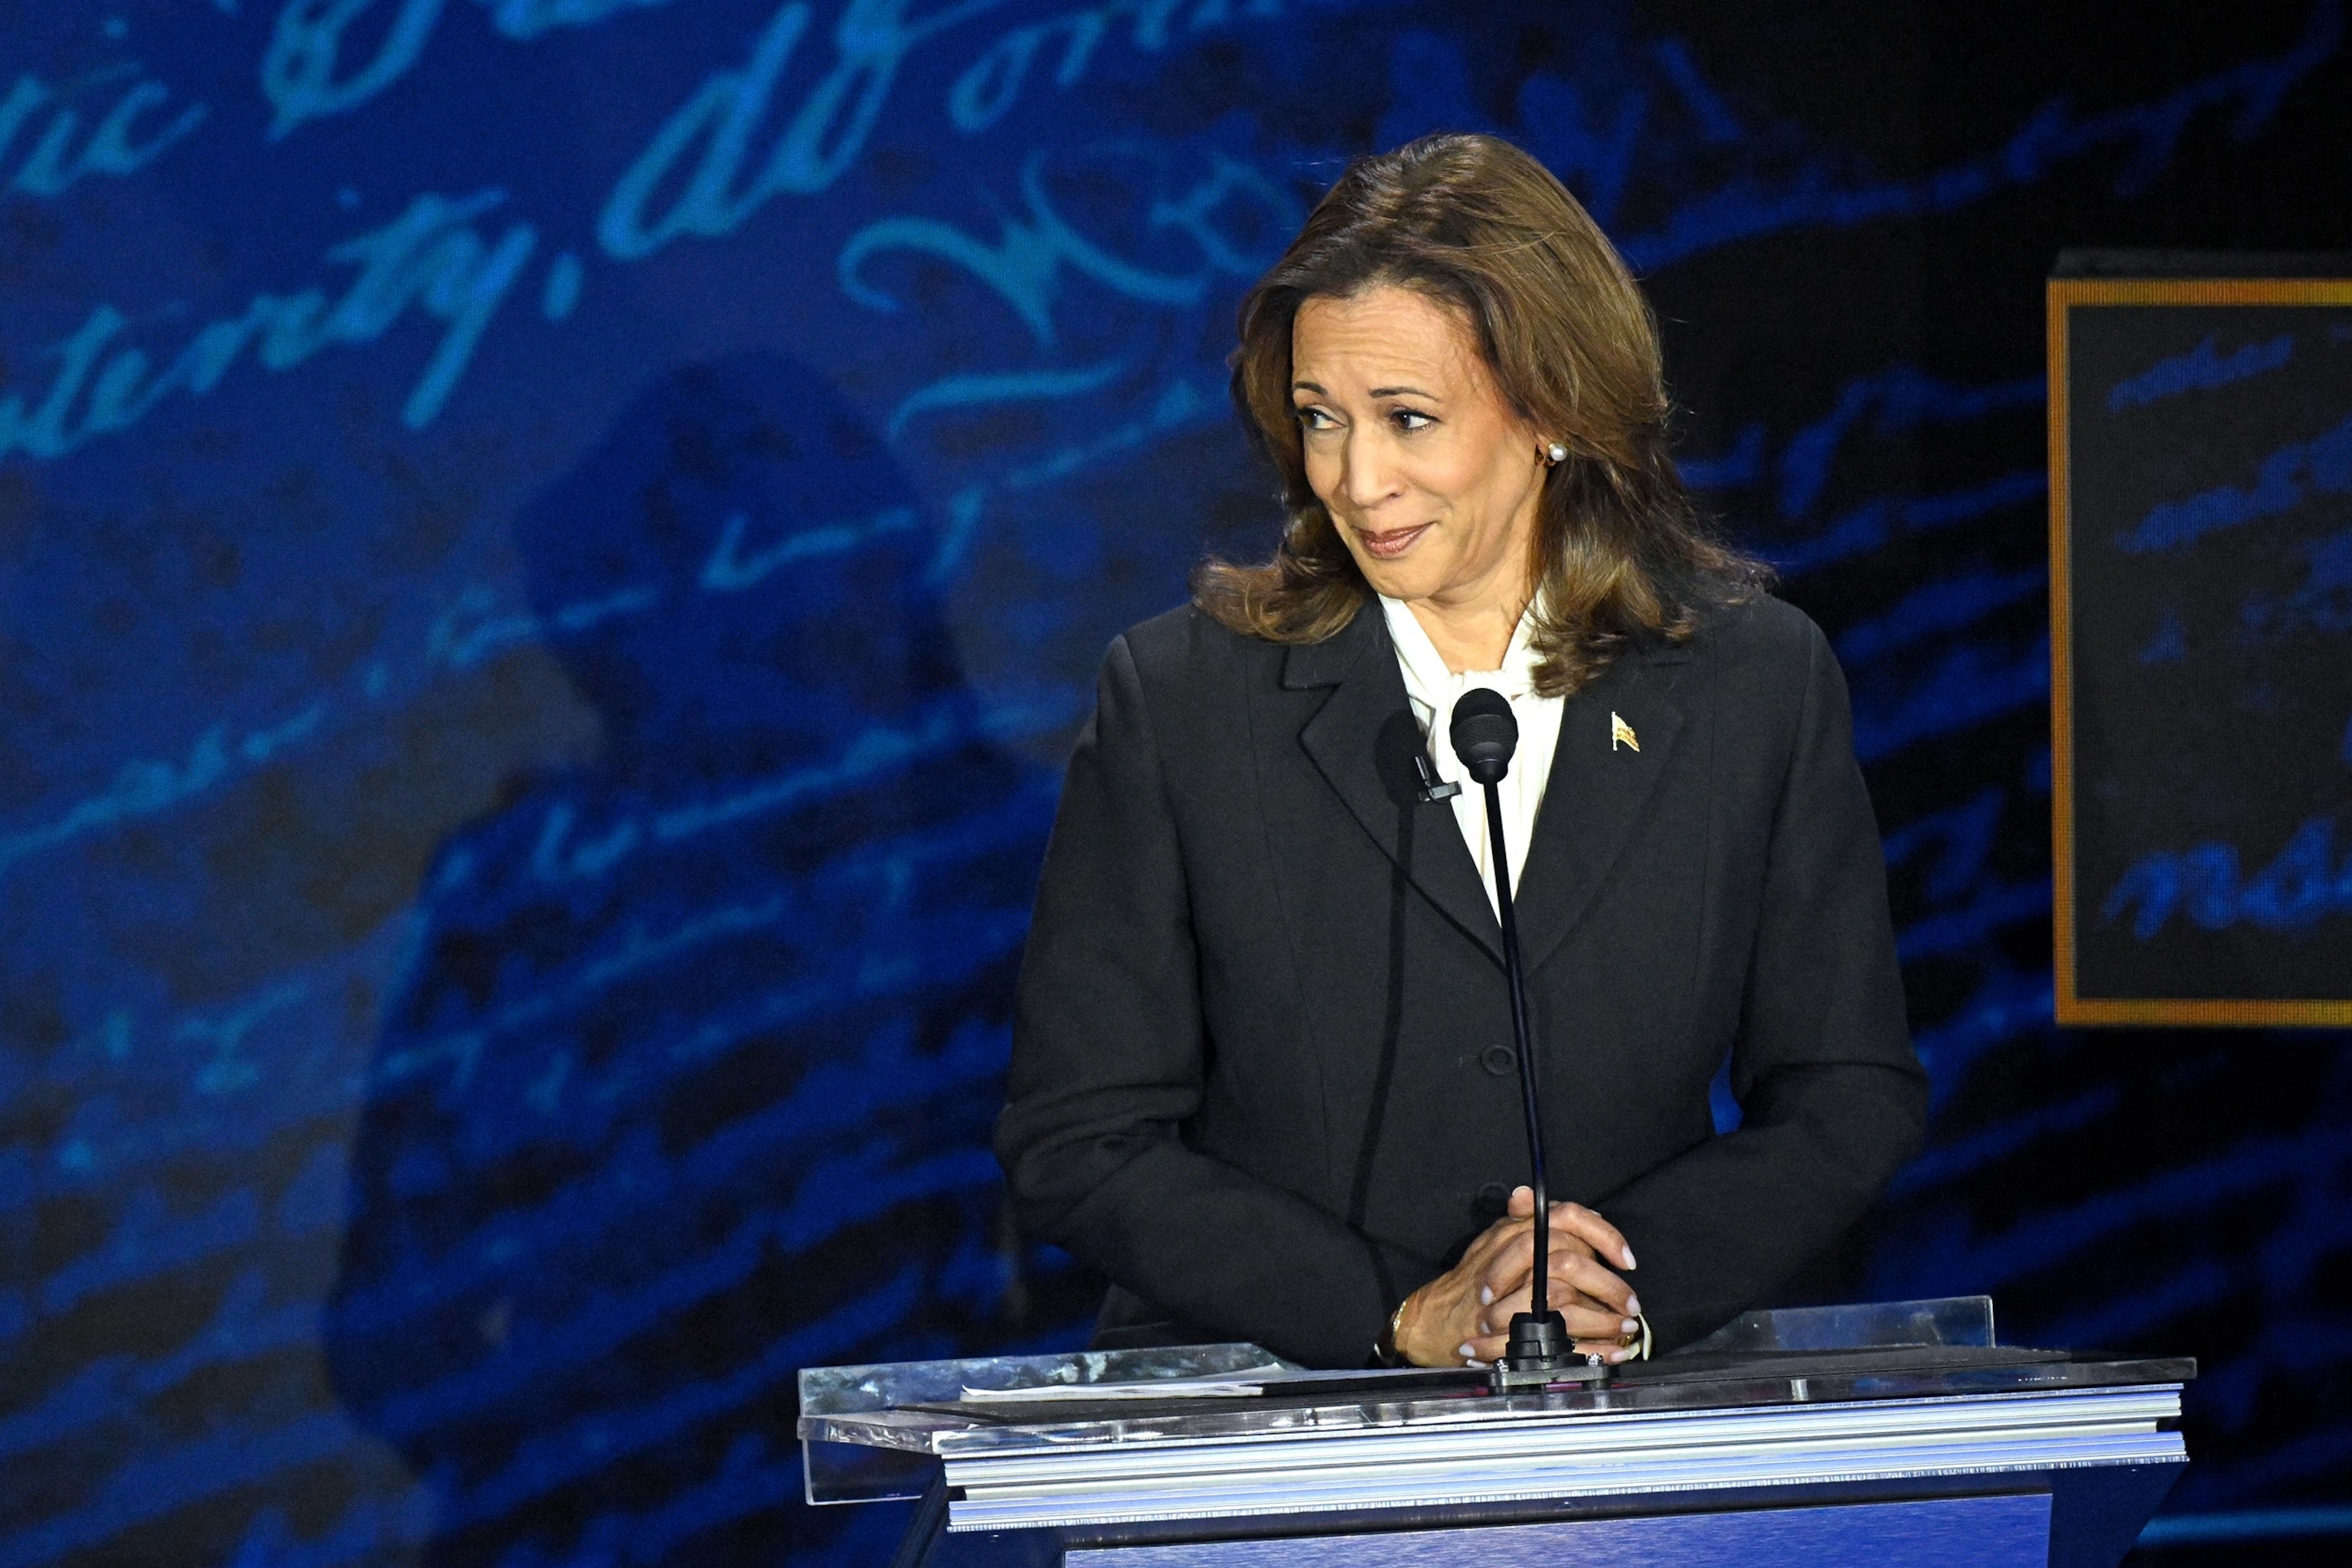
{"x": 1377, "y": 392}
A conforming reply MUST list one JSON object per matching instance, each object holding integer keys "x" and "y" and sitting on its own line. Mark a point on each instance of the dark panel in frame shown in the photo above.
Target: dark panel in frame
{"x": 2201, "y": 619}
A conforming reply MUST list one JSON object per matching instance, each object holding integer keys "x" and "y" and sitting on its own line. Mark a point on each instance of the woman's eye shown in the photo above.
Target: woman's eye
{"x": 1315, "y": 419}
{"x": 1411, "y": 419}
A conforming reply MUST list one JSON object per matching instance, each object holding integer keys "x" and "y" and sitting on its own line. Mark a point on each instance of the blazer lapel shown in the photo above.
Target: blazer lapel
{"x": 1363, "y": 738}
{"x": 1594, "y": 797}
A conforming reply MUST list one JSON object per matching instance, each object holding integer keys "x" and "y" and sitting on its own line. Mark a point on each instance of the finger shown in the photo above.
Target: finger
{"x": 1576, "y": 1220}
{"x": 1604, "y": 1310}
{"x": 1565, "y": 1241}
{"x": 1595, "y": 1231}
{"x": 1585, "y": 1321}
{"x": 1609, "y": 1350}
{"x": 1511, "y": 1265}
{"x": 1495, "y": 1317}
{"x": 1488, "y": 1242}
{"x": 1512, "y": 1272}
{"x": 1587, "y": 1277}
{"x": 1571, "y": 1276}
{"x": 1600, "y": 1326}
{"x": 1508, "y": 1267}
{"x": 1496, "y": 1314}
{"x": 1494, "y": 1241}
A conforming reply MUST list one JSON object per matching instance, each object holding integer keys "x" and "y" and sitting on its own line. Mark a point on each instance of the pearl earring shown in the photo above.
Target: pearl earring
{"x": 1556, "y": 452}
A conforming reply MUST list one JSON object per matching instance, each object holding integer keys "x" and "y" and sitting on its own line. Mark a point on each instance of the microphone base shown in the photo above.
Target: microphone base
{"x": 1540, "y": 1352}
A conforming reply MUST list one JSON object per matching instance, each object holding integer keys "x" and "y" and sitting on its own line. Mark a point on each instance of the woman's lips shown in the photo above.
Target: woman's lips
{"x": 1389, "y": 545}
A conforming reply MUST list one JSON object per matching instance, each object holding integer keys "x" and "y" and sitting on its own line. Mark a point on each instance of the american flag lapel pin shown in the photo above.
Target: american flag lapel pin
{"x": 1620, "y": 733}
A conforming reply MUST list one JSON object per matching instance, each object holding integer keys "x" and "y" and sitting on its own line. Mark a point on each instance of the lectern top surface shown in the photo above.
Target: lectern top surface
{"x": 1330, "y": 1404}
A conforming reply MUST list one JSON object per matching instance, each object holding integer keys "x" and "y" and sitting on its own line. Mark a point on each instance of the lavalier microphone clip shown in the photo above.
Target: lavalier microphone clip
{"x": 1432, "y": 788}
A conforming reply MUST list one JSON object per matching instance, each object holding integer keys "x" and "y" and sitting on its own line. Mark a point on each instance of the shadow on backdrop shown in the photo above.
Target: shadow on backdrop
{"x": 689, "y": 1076}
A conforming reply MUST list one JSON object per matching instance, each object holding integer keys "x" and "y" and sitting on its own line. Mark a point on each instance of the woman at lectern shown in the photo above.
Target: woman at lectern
{"x": 1261, "y": 1073}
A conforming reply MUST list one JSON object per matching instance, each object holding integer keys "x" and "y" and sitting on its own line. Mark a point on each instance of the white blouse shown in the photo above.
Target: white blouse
{"x": 1433, "y": 689}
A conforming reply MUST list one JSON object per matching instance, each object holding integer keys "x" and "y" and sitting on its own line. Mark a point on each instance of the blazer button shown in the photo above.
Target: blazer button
{"x": 1499, "y": 1060}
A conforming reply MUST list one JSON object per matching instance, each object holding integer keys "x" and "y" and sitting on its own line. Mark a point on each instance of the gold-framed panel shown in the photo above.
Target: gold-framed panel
{"x": 2064, "y": 295}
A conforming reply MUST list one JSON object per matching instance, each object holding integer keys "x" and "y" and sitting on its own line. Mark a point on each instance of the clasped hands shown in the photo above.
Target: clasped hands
{"x": 1464, "y": 1314}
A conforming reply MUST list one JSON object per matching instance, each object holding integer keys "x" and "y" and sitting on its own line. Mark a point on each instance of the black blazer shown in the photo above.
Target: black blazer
{"x": 1262, "y": 1072}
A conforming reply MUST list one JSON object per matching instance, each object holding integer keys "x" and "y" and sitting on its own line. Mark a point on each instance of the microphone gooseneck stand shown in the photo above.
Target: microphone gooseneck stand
{"x": 1484, "y": 734}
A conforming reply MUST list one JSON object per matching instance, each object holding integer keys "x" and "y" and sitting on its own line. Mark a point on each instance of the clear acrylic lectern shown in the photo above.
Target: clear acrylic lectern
{"x": 1900, "y": 1435}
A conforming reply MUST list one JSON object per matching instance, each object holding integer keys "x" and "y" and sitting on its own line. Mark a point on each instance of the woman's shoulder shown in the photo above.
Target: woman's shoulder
{"x": 1765, "y": 665}
{"x": 1763, "y": 637}
{"x": 1186, "y": 646}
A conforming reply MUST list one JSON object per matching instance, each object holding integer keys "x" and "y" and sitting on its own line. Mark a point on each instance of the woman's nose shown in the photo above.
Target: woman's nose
{"x": 1367, "y": 475}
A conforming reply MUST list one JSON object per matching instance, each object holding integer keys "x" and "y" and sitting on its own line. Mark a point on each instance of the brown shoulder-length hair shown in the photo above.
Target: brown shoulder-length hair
{"x": 1479, "y": 226}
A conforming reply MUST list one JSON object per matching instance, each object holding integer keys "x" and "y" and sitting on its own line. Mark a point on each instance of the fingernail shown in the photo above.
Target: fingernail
{"x": 1629, "y": 1257}
{"x": 1464, "y": 1350}
{"x": 1632, "y": 1327}
{"x": 1632, "y": 1304}
{"x": 1619, "y": 1353}
{"x": 1469, "y": 1361}
{"x": 1486, "y": 1295}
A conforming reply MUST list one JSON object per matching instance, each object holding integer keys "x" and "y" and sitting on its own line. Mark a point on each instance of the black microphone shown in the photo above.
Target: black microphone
{"x": 1484, "y": 733}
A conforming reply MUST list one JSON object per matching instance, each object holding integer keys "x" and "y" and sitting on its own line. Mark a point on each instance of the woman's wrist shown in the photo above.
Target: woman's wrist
{"x": 1386, "y": 1351}
{"x": 1401, "y": 1323}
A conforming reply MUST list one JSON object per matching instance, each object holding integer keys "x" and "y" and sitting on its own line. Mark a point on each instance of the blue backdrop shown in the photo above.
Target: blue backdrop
{"x": 551, "y": 551}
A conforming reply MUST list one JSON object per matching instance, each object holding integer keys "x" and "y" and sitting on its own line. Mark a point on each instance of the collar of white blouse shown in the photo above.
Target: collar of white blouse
{"x": 1432, "y": 689}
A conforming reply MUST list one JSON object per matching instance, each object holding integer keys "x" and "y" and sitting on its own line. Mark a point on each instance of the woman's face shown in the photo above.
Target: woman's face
{"x": 1431, "y": 477}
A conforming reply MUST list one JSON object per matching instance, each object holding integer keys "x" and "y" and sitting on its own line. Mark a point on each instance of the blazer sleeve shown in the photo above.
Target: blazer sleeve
{"x": 1108, "y": 1066}
{"x": 1833, "y": 1099}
